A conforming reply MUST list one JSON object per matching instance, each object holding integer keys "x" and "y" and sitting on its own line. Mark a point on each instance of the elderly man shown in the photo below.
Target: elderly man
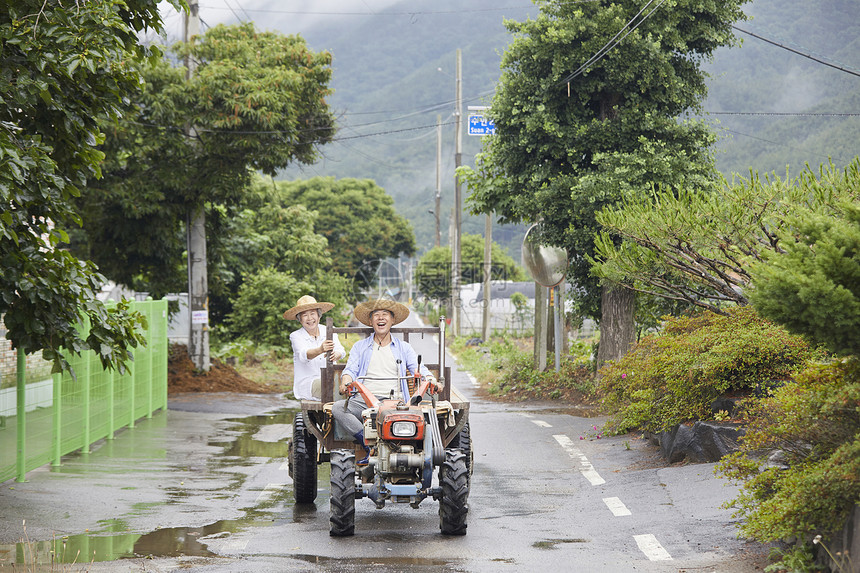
{"x": 310, "y": 347}
{"x": 381, "y": 358}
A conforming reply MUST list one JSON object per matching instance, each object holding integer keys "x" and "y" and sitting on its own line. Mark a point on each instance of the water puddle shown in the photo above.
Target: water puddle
{"x": 257, "y": 439}
{"x": 360, "y": 563}
{"x": 552, "y": 543}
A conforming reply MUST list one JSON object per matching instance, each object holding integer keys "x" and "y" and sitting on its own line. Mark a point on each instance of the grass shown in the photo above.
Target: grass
{"x": 504, "y": 367}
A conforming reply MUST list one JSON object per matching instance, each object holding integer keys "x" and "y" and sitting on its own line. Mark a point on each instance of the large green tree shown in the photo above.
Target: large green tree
{"x": 588, "y": 109}
{"x": 256, "y": 102}
{"x": 64, "y": 68}
{"x": 266, "y": 235}
{"x": 358, "y": 219}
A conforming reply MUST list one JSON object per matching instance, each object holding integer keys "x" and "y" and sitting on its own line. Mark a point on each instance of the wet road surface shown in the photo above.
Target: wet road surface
{"x": 204, "y": 487}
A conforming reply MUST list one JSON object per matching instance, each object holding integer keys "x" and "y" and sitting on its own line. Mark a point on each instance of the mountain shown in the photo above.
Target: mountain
{"x": 772, "y": 107}
{"x": 394, "y": 75}
{"x": 762, "y": 78}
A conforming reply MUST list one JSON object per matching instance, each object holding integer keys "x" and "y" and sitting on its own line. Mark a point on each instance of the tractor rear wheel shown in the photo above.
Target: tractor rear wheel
{"x": 342, "y": 516}
{"x": 453, "y": 507}
{"x": 303, "y": 462}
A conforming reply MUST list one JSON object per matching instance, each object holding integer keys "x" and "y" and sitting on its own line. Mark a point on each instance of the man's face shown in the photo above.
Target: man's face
{"x": 381, "y": 321}
{"x": 309, "y": 319}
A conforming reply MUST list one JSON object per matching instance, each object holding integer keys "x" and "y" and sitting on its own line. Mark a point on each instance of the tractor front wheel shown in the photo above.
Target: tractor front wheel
{"x": 463, "y": 442}
{"x": 342, "y": 493}
{"x": 453, "y": 507}
{"x": 303, "y": 462}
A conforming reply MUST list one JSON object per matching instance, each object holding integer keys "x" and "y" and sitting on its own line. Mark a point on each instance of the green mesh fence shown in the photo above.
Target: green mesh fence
{"x": 59, "y": 414}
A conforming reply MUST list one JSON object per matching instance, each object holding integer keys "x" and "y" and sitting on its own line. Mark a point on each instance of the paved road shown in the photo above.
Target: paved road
{"x": 204, "y": 487}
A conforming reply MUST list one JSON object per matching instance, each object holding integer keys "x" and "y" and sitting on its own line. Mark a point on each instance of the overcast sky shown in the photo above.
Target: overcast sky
{"x": 286, "y": 16}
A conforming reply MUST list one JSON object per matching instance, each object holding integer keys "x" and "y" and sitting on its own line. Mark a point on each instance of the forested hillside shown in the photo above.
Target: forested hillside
{"x": 807, "y": 101}
{"x": 394, "y": 73}
{"x": 773, "y": 107}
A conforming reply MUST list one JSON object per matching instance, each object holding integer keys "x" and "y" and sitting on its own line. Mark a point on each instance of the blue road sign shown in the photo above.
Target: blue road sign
{"x": 481, "y": 125}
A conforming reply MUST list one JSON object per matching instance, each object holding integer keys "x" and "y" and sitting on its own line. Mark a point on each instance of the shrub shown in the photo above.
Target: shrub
{"x": 674, "y": 376}
{"x": 815, "y": 423}
{"x": 508, "y": 370}
{"x": 263, "y": 297}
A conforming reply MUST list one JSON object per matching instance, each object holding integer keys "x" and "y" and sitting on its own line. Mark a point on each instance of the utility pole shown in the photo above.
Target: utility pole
{"x": 198, "y": 288}
{"x": 488, "y": 275}
{"x": 438, "y": 179}
{"x": 455, "y": 246}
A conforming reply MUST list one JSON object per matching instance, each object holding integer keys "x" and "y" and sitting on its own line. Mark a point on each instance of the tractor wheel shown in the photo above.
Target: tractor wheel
{"x": 303, "y": 462}
{"x": 342, "y": 493}
{"x": 463, "y": 442}
{"x": 453, "y": 507}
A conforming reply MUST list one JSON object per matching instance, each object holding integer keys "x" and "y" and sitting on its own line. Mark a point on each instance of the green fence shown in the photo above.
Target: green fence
{"x": 43, "y": 420}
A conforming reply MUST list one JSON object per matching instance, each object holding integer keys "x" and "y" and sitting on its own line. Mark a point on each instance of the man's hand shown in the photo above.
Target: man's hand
{"x": 435, "y": 385}
{"x": 345, "y": 385}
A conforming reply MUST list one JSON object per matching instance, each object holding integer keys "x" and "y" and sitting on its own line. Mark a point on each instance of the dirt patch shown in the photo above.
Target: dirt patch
{"x": 183, "y": 377}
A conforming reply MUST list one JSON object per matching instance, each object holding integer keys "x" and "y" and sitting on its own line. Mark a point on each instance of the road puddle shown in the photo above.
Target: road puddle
{"x": 256, "y": 439}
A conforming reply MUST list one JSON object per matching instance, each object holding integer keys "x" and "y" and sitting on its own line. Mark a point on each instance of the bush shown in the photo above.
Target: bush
{"x": 674, "y": 376}
{"x": 508, "y": 370}
{"x": 815, "y": 423}
{"x": 263, "y": 297}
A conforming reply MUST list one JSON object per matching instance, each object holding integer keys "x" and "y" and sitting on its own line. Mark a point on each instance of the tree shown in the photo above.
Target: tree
{"x": 433, "y": 272}
{"x": 811, "y": 282}
{"x": 265, "y": 295}
{"x": 586, "y": 112}
{"x": 256, "y": 103}
{"x": 356, "y": 216}
{"x": 266, "y": 235}
{"x": 64, "y": 68}
{"x": 786, "y": 245}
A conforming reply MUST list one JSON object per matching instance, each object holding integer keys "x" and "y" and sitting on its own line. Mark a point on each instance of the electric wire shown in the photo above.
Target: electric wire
{"x": 798, "y": 52}
{"x": 399, "y": 13}
{"x": 607, "y": 47}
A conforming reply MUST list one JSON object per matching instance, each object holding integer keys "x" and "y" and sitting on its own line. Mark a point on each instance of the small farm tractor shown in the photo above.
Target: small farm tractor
{"x": 412, "y": 439}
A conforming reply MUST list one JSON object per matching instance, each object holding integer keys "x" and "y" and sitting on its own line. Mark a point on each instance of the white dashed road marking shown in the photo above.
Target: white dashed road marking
{"x": 236, "y": 545}
{"x": 616, "y": 506}
{"x": 586, "y": 469}
{"x": 541, "y": 423}
{"x": 269, "y": 492}
{"x": 474, "y": 381}
{"x": 652, "y": 548}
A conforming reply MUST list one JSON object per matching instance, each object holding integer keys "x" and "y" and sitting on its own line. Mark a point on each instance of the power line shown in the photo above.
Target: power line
{"x": 607, "y": 47}
{"x": 776, "y": 143}
{"x": 798, "y": 52}
{"x": 783, "y": 114}
{"x": 410, "y": 14}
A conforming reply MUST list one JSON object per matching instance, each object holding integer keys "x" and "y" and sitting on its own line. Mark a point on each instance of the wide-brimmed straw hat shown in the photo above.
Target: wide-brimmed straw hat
{"x": 307, "y": 302}
{"x": 364, "y": 310}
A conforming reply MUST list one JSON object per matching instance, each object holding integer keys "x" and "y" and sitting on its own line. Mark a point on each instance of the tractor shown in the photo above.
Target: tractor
{"x": 413, "y": 438}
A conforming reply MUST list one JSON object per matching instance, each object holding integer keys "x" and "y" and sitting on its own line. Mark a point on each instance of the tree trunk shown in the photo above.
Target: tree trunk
{"x": 198, "y": 290}
{"x": 617, "y": 327}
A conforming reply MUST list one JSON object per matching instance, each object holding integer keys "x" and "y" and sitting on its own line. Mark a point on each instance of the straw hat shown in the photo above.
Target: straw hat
{"x": 364, "y": 310}
{"x": 307, "y": 302}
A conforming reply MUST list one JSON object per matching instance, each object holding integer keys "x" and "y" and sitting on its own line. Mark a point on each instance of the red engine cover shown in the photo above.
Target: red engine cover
{"x": 390, "y": 414}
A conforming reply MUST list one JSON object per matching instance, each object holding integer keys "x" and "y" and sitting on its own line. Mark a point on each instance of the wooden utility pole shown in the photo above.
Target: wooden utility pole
{"x": 488, "y": 275}
{"x": 455, "y": 246}
{"x": 198, "y": 288}
{"x": 438, "y": 179}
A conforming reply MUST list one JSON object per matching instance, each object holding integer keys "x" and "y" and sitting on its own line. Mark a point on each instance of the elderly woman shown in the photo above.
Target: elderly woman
{"x": 310, "y": 347}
